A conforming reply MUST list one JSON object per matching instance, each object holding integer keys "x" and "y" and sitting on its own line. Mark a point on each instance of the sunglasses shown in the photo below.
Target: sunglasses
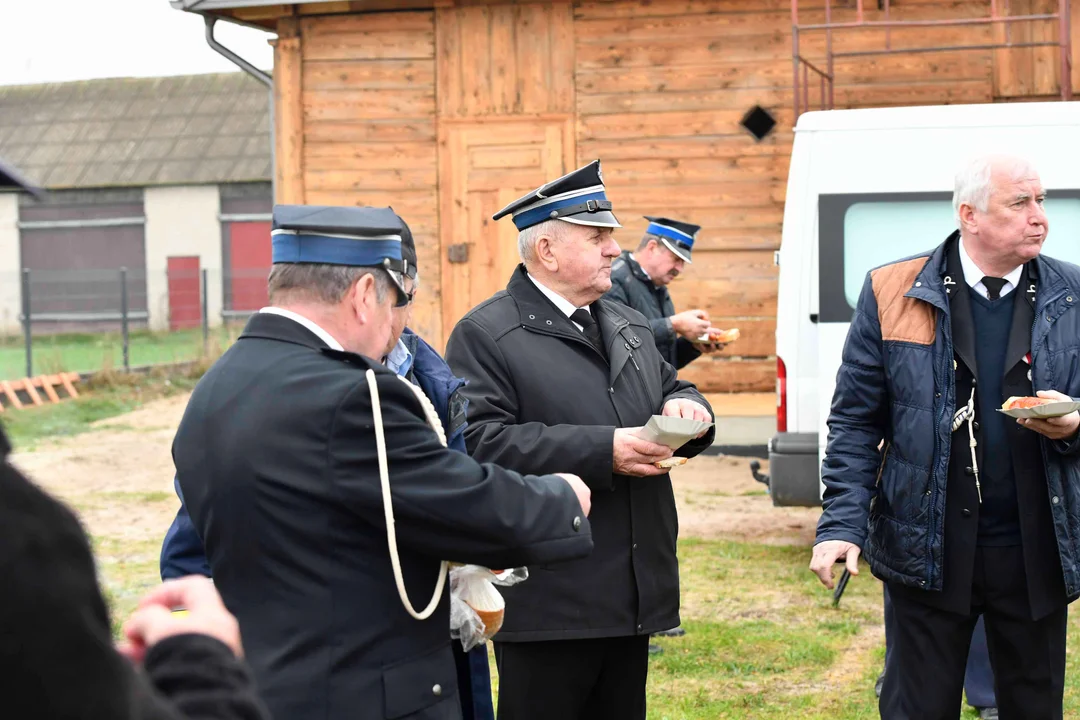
{"x": 404, "y": 298}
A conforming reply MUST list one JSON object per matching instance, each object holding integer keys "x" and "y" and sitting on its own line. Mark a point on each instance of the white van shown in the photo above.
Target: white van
{"x": 867, "y": 187}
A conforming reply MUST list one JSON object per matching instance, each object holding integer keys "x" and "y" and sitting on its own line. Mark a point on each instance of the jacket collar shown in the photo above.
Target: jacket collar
{"x": 956, "y": 288}
{"x": 635, "y": 268}
{"x": 537, "y": 313}
{"x": 270, "y": 326}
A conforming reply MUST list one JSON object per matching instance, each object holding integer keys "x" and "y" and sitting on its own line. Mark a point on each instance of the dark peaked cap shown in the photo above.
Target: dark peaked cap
{"x": 356, "y": 236}
{"x": 578, "y": 197}
{"x": 677, "y": 235}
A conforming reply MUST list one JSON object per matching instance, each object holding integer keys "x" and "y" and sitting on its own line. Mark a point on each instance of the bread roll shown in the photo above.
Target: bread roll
{"x": 670, "y": 462}
{"x": 483, "y": 597}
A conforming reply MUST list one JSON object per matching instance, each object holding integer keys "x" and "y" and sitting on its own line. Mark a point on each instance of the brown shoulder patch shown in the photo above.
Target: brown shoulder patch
{"x": 903, "y": 319}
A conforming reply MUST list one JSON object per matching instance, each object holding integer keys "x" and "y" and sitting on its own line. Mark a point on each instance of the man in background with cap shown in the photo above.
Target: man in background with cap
{"x": 639, "y": 280}
{"x": 558, "y": 377}
{"x": 278, "y": 459}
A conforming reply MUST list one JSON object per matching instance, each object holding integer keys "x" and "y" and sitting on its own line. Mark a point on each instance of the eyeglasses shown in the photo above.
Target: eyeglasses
{"x": 404, "y": 298}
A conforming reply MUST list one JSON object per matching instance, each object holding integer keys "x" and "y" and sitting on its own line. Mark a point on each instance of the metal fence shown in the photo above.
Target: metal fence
{"x": 93, "y": 319}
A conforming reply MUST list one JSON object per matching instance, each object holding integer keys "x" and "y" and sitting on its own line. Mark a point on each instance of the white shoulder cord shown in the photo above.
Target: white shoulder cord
{"x": 967, "y": 414}
{"x": 388, "y": 508}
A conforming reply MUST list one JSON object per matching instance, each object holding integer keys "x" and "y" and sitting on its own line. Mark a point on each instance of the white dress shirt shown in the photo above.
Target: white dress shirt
{"x": 973, "y": 275}
{"x": 322, "y": 334}
{"x": 565, "y": 306}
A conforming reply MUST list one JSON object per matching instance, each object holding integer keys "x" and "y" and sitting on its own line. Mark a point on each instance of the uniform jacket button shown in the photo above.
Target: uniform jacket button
{"x": 577, "y": 523}
{"x": 965, "y": 512}
{"x": 969, "y": 470}
{"x": 436, "y": 689}
{"x": 975, "y": 425}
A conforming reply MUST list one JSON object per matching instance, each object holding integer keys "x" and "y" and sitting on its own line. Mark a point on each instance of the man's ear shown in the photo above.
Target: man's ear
{"x": 363, "y": 296}
{"x": 545, "y": 255}
{"x": 968, "y": 222}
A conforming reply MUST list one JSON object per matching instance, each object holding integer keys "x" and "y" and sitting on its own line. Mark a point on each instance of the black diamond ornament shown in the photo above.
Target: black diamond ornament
{"x": 759, "y": 122}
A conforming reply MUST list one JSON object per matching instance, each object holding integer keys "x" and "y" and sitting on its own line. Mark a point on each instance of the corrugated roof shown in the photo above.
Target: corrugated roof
{"x": 138, "y": 131}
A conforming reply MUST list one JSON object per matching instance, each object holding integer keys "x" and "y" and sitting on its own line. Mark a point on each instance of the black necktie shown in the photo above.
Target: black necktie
{"x": 993, "y": 286}
{"x": 589, "y": 328}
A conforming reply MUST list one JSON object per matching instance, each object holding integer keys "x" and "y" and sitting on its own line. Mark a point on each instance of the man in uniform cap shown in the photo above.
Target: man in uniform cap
{"x": 639, "y": 279}
{"x": 278, "y": 460}
{"x": 558, "y": 377}
{"x": 412, "y": 358}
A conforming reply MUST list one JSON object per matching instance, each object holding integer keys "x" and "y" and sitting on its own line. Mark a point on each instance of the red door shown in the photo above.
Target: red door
{"x": 185, "y": 300}
{"x": 249, "y": 264}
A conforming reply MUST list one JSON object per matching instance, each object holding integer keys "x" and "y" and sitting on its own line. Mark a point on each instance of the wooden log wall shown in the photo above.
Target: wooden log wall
{"x": 368, "y": 97}
{"x": 375, "y": 108}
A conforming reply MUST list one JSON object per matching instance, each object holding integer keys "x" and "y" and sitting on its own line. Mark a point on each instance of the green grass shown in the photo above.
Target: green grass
{"x": 81, "y": 352}
{"x": 105, "y": 395}
{"x": 763, "y": 640}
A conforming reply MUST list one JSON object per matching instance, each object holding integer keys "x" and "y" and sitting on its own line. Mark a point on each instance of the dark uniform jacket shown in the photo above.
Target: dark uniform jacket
{"x": 182, "y": 551}
{"x": 276, "y": 457}
{"x": 898, "y": 383}
{"x": 633, "y": 287}
{"x": 542, "y": 399}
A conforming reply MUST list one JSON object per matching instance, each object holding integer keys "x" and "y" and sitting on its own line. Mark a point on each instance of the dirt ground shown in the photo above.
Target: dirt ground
{"x": 129, "y": 455}
{"x": 121, "y": 459}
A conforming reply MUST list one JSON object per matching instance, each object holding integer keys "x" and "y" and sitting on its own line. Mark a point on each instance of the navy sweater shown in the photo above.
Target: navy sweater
{"x": 999, "y": 519}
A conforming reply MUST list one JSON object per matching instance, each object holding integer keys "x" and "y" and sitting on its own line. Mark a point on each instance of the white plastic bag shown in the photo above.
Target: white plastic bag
{"x": 476, "y": 606}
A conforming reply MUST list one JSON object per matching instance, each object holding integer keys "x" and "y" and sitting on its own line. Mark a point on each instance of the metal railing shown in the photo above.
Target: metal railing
{"x": 802, "y": 67}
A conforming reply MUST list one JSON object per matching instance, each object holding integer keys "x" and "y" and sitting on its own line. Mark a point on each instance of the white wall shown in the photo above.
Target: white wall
{"x": 10, "y": 281}
{"x": 180, "y": 220}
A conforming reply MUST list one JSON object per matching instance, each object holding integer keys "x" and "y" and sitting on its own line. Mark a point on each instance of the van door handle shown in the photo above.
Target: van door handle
{"x": 813, "y": 318}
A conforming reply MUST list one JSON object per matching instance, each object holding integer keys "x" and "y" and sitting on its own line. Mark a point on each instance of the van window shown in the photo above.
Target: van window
{"x": 858, "y": 232}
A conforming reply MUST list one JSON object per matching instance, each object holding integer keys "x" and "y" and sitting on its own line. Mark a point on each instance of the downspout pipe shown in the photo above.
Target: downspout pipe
{"x": 263, "y": 77}
{"x": 232, "y": 57}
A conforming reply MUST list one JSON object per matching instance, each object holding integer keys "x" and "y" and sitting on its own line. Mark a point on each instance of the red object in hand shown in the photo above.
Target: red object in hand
{"x": 1018, "y": 403}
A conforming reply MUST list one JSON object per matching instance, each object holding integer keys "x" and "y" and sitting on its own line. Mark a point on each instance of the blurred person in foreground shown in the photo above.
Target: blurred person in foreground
{"x": 57, "y": 659}
{"x": 278, "y": 457}
{"x": 964, "y": 512}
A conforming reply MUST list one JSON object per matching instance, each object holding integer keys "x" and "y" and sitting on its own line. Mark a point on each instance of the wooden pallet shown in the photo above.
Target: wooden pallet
{"x": 49, "y": 384}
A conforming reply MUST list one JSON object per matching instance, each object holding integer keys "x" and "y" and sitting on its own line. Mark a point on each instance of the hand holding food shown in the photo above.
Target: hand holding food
{"x": 1061, "y": 424}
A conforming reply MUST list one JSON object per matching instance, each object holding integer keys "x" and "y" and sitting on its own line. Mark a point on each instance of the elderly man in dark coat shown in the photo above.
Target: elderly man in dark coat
{"x": 279, "y": 455}
{"x": 558, "y": 377}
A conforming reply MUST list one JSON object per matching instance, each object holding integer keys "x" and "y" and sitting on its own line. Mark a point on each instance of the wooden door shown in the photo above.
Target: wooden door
{"x": 485, "y": 164}
{"x": 185, "y": 298}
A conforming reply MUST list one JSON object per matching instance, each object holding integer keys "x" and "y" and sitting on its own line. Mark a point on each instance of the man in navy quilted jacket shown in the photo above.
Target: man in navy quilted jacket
{"x": 964, "y": 511}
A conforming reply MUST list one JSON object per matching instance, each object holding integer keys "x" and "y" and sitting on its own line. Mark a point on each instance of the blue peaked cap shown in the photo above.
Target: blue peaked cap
{"x": 678, "y": 236}
{"x": 578, "y": 197}
{"x": 361, "y": 236}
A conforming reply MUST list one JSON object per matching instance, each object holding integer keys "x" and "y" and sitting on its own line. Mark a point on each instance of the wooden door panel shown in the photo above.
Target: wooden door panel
{"x": 483, "y": 166}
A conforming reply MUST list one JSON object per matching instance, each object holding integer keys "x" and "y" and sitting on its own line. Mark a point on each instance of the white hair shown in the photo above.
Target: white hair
{"x": 527, "y": 238}
{"x": 974, "y": 181}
